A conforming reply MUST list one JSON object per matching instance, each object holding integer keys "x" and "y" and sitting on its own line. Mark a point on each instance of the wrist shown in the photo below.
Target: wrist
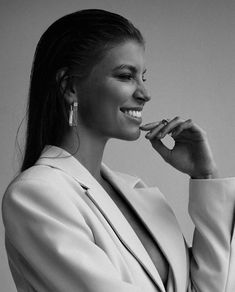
{"x": 209, "y": 175}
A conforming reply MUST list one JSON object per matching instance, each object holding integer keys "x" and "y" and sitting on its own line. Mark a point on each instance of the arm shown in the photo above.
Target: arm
{"x": 211, "y": 204}
{"x": 211, "y": 207}
{"x": 55, "y": 243}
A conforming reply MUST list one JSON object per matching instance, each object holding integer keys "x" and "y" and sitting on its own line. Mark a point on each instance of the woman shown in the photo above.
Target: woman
{"x": 72, "y": 224}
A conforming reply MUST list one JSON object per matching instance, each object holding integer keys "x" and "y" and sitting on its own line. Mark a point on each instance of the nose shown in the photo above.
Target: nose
{"x": 141, "y": 94}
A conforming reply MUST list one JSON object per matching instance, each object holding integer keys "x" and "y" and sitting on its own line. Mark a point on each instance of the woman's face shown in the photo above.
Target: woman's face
{"x": 112, "y": 97}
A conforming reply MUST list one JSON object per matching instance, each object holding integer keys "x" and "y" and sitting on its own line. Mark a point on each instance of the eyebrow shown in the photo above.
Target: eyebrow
{"x": 129, "y": 67}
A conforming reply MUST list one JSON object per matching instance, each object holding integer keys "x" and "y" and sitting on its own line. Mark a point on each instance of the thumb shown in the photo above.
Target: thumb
{"x": 161, "y": 149}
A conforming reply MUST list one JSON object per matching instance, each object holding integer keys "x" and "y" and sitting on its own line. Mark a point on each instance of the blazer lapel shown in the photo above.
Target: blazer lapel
{"x": 160, "y": 220}
{"x": 124, "y": 232}
{"x": 52, "y": 157}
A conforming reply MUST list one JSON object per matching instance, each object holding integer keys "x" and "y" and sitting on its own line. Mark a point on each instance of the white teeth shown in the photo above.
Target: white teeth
{"x": 135, "y": 114}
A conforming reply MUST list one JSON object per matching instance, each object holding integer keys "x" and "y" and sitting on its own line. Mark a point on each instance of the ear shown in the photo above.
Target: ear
{"x": 66, "y": 86}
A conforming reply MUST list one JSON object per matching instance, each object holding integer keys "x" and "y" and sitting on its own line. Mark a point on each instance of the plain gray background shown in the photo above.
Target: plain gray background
{"x": 191, "y": 72}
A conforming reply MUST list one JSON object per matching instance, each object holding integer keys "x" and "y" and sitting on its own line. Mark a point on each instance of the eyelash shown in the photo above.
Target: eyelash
{"x": 129, "y": 77}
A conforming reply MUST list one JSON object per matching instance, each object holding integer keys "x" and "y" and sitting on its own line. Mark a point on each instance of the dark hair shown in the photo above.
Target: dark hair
{"x": 72, "y": 44}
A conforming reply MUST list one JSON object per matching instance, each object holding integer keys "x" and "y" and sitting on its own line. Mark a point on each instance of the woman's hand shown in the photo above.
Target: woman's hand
{"x": 191, "y": 153}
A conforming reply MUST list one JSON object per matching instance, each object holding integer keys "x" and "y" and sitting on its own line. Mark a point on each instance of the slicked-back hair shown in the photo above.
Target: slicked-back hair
{"x": 73, "y": 44}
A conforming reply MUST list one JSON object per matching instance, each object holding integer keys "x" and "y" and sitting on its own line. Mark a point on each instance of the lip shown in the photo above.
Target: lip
{"x": 134, "y": 119}
{"x": 122, "y": 109}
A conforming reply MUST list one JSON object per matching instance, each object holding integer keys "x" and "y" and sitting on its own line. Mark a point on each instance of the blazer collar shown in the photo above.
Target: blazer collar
{"x": 59, "y": 158}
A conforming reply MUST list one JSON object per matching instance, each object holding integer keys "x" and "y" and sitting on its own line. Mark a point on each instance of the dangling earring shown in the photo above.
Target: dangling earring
{"x": 73, "y": 114}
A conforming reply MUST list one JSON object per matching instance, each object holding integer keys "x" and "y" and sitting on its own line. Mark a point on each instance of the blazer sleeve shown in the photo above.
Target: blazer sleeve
{"x": 211, "y": 207}
{"x": 55, "y": 243}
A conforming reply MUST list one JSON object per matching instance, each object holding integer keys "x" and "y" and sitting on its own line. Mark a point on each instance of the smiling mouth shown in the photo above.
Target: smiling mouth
{"x": 137, "y": 114}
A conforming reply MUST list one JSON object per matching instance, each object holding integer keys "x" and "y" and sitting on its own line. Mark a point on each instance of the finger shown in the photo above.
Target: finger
{"x": 161, "y": 149}
{"x": 183, "y": 126}
{"x": 170, "y": 126}
{"x": 154, "y": 132}
{"x": 149, "y": 126}
{"x": 191, "y": 130}
{"x": 164, "y": 128}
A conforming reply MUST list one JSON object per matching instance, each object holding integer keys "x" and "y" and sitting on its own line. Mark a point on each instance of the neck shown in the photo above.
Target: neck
{"x": 88, "y": 149}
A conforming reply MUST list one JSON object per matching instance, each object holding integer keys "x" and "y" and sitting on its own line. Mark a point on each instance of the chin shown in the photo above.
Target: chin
{"x": 131, "y": 136}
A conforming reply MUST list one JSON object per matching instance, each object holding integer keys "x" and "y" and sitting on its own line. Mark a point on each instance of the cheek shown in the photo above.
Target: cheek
{"x": 98, "y": 107}
{"x": 104, "y": 100}
{"x": 100, "y": 110}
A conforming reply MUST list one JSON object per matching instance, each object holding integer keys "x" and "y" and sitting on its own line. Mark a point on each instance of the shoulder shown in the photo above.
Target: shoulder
{"x": 41, "y": 186}
{"x": 39, "y": 175}
{"x": 34, "y": 177}
{"x": 41, "y": 200}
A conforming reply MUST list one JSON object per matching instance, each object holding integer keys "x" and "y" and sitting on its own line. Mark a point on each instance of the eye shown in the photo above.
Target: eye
{"x": 128, "y": 76}
{"x": 125, "y": 76}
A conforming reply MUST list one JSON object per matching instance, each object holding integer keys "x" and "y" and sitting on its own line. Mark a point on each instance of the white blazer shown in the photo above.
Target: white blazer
{"x": 65, "y": 234}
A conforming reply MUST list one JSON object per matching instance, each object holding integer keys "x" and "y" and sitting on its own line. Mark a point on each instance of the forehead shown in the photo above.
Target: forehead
{"x": 129, "y": 53}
